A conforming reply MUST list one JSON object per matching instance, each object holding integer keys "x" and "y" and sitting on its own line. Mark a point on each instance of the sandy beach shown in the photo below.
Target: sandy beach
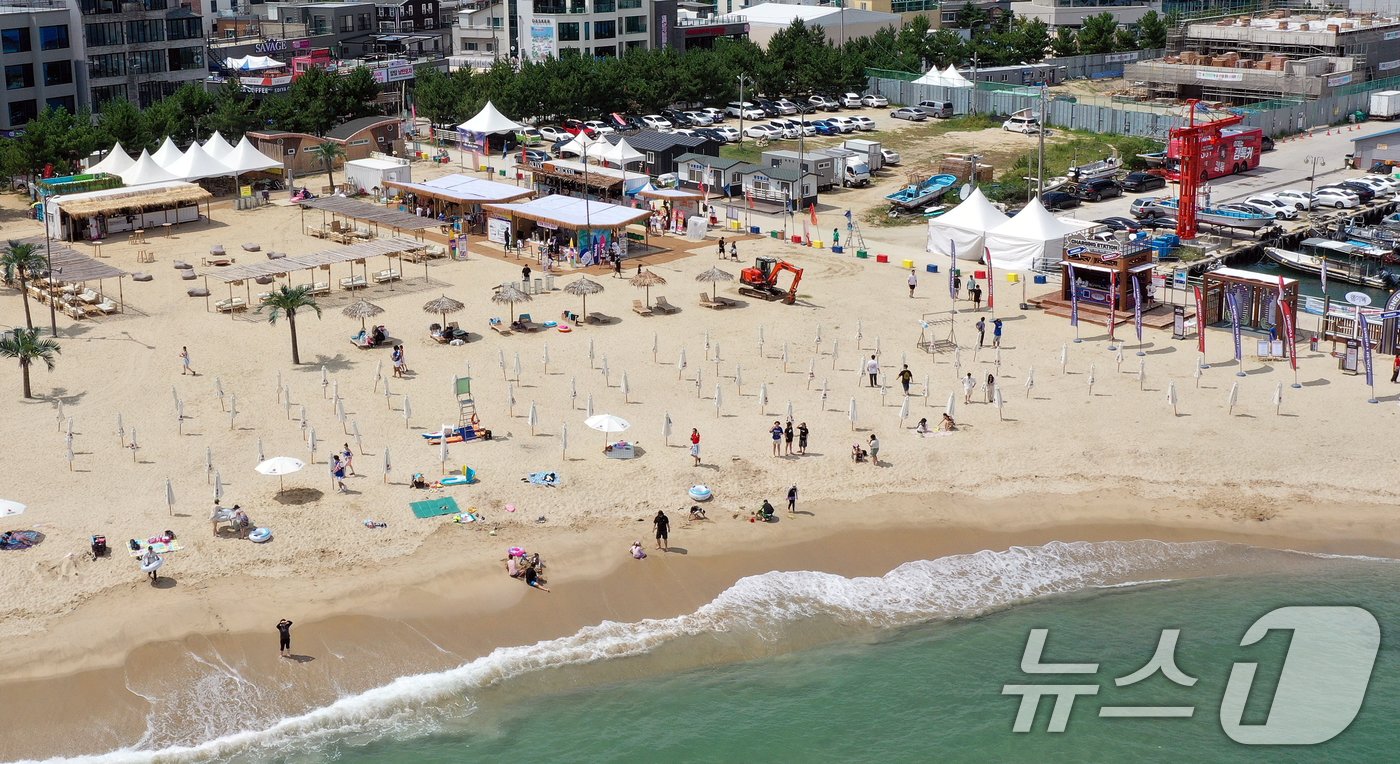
{"x": 1058, "y": 462}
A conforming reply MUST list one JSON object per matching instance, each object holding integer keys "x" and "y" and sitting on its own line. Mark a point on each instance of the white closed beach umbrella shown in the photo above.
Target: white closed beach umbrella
{"x": 407, "y": 411}
{"x": 169, "y": 497}
{"x": 510, "y": 397}
{"x": 218, "y": 486}
{"x": 824, "y": 389}
{"x": 1064, "y": 357}
{"x": 607, "y": 372}
{"x": 516, "y": 369}
{"x": 1118, "y": 358}
{"x": 387, "y": 401}
{"x": 903, "y": 410}
{"x": 952, "y": 404}
{"x": 533, "y": 417}
{"x": 626, "y": 388}
{"x": 789, "y": 411}
{"x": 835, "y": 351}
{"x": 996, "y": 398}
{"x": 133, "y": 445}
{"x": 654, "y": 346}
{"x": 442, "y": 447}
{"x": 590, "y": 353}
{"x": 260, "y": 451}
{"x": 1234, "y": 396}
{"x": 1091, "y": 380}
{"x": 607, "y": 424}
{"x": 851, "y": 413}
{"x": 811, "y": 372}
{"x": 501, "y": 361}
{"x": 762, "y": 397}
{"x": 1030, "y": 381}
{"x": 121, "y": 430}
{"x": 718, "y": 401}
{"x": 1171, "y": 396}
{"x": 1196, "y": 372}
{"x": 680, "y": 364}
{"x": 355, "y": 430}
{"x": 232, "y": 410}
{"x": 573, "y": 391}
{"x": 219, "y": 392}
{"x": 311, "y": 443}
{"x": 666, "y": 427}
{"x": 564, "y": 439}
{"x": 1278, "y": 398}
{"x": 739, "y": 378}
{"x": 1142, "y": 372}
{"x": 387, "y": 464}
{"x": 699, "y": 380}
{"x": 544, "y": 357}
{"x": 588, "y": 409}
{"x": 68, "y": 447}
{"x": 785, "y": 357}
{"x": 325, "y": 381}
{"x": 208, "y": 463}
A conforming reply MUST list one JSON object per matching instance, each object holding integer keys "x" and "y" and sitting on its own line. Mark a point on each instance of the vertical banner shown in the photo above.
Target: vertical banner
{"x": 1137, "y": 308}
{"x": 1366, "y": 348}
{"x": 812, "y": 208}
{"x": 991, "y": 281}
{"x": 952, "y": 268}
{"x": 1073, "y": 297}
{"x": 1287, "y": 322}
{"x": 1200, "y": 321}
{"x": 1112, "y": 303}
{"x": 1324, "y": 276}
{"x": 1234, "y": 303}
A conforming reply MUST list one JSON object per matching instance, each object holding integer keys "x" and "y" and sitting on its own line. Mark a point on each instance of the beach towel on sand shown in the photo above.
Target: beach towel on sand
{"x": 434, "y": 507}
{"x": 21, "y": 540}
{"x": 548, "y": 479}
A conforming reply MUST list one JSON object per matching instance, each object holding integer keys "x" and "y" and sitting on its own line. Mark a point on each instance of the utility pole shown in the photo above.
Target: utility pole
{"x": 1312, "y": 177}
{"x": 48, "y": 253}
{"x": 741, "y": 79}
{"x": 1040, "y": 162}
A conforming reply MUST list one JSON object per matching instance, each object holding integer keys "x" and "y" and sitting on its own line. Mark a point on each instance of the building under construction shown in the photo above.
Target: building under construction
{"x": 1282, "y": 55}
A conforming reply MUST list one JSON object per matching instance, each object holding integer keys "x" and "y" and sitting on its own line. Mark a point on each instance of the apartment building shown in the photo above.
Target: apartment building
{"x": 485, "y": 30}
{"x": 42, "y": 45}
{"x": 141, "y": 50}
{"x": 1071, "y": 13}
{"x": 593, "y": 27}
{"x": 388, "y": 27}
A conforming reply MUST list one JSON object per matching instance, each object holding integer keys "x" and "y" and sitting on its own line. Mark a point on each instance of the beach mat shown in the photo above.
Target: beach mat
{"x": 434, "y": 507}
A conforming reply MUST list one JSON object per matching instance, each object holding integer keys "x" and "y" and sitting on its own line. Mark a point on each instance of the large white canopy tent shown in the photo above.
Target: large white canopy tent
{"x": 116, "y": 162}
{"x": 196, "y": 164}
{"x": 145, "y": 170}
{"x": 962, "y": 231}
{"x": 168, "y": 153}
{"x": 1033, "y": 240}
{"x": 488, "y": 121}
{"x": 245, "y": 158}
{"x": 948, "y": 78}
{"x": 571, "y": 212}
{"x": 217, "y": 147}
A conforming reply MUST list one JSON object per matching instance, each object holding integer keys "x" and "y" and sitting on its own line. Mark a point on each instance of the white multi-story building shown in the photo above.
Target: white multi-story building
{"x": 42, "y": 46}
{"x": 593, "y": 27}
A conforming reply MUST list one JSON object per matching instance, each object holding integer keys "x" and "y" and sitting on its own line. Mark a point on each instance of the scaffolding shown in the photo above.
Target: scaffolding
{"x": 933, "y": 327}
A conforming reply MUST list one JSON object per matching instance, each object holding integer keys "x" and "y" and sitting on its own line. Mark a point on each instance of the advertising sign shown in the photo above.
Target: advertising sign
{"x": 544, "y": 39}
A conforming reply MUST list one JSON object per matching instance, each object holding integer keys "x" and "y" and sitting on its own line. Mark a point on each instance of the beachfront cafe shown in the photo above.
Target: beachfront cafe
{"x": 1104, "y": 267}
{"x": 573, "y": 178}
{"x": 573, "y": 222}
{"x": 95, "y": 215}
{"x": 457, "y": 198}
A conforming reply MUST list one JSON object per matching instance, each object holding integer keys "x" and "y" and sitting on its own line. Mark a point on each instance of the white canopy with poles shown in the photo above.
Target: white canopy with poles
{"x": 964, "y": 228}
{"x": 489, "y": 120}
{"x": 168, "y": 153}
{"x": 116, "y": 162}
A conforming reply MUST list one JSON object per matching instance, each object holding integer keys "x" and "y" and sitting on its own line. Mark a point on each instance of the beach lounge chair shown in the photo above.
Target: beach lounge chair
{"x": 321, "y": 287}
{"x": 88, "y": 296}
{"x": 528, "y": 324}
{"x": 385, "y": 276}
{"x": 107, "y": 307}
{"x": 640, "y": 309}
{"x": 661, "y": 305}
{"x": 435, "y": 331}
{"x": 217, "y": 251}
{"x": 706, "y": 302}
{"x": 598, "y": 318}
{"x": 231, "y": 305}
{"x": 74, "y": 312}
{"x": 725, "y": 302}
{"x": 353, "y": 282}
{"x": 499, "y": 327}
{"x": 252, "y": 247}
{"x": 436, "y": 250}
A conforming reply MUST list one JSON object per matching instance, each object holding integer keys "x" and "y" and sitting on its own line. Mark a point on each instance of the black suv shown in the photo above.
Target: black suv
{"x": 1095, "y": 190}
{"x": 1137, "y": 182}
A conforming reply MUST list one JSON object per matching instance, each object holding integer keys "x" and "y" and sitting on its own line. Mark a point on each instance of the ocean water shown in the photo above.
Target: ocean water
{"x": 911, "y": 666}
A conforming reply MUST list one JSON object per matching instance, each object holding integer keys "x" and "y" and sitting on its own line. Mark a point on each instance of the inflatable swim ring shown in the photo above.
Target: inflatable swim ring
{"x": 565, "y": 328}
{"x": 700, "y": 493}
{"x": 260, "y": 535}
{"x": 153, "y": 566}
{"x": 453, "y": 479}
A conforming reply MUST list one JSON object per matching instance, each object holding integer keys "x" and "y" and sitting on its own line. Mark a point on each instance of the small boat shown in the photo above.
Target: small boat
{"x": 1104, "y": 168}
{"x": 1224, "y": 217}
{"x": 918, "y": 195}
{"x": 1379, "y": 236}
{"x": 1346, "y": 262}
{"x": 1154, "y": 159}
{"x": 1051, "y": 184}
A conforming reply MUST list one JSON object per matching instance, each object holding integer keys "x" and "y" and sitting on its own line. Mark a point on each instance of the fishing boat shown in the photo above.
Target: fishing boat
{"x": 1154, "y": 159}
{"x": 1224, "y": 217}
{"x": 1379, "y": 235}
{"x": 1104, "y": 168}
{"x": 1346, "y": 262}
{"x": 1051, "y": 184}
{"x": 916, "y": 196}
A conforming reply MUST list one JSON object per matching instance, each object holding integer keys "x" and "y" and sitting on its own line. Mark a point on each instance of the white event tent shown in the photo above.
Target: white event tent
{"x": 217, "y": 147}
{"x": 962, "y": 231}
{"x": 245, "y": 158}
{"x": 116, "y": 162}
{"x": 488, "y": 121}
{"x": 196, "y": 164}
{"x": 1031, "y": 239}
{"x": 948, "y": 78}
{"x": 168, "y": 153}
{"x": 145, "y": 170}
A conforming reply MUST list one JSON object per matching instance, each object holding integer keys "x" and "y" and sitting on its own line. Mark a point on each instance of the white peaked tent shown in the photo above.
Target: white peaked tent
{"x": 1032, "y": 239}
{"x": 489, "y": 120}
{"x": 948, "y": 78}
{"x": 168, "y": 153}
{"x": 963, "y": 229}
{"x": 245, "y": 158}
{"x": 620, "y": 153}
{"x": 116, "y": 162}
{"x": 217, "y": 147}
{"x": 145, "y": 170}
{"x": 196, "y": 164}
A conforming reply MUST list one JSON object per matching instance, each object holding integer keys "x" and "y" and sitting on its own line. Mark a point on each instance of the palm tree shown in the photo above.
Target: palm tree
{"x": 20, "y": 261}
{"x": 288, "y": 300}
{"x": 27, "y": 346}
{"x": 328, "y": 152}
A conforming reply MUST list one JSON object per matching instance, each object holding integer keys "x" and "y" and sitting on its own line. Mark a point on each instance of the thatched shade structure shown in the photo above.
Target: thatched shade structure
{"x": 509, "y": 293}
{"x": 714, "y": 276}
{"x": 362, "y": 309}
{"x": 443, "y": 305}
{"x": 647, "y": 280}
{"x": 583, "y": 287}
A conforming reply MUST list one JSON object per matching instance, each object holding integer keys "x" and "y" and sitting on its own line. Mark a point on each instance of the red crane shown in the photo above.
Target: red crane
{"x": 1194, "y": 140}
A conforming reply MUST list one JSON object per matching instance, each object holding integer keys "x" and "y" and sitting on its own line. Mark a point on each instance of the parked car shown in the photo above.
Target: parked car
{"x": 575, "y": 126}
{"x": 535, "y": 157}
{"x": 744, "y": 110}
{"x": 936, "y": 109}
{"x": 769, "y": 108}
{"x": 529, "y": 136}
{"x": 825, "y": 127}
{"x": 558, "y": 148}
{"x": 554, "y": 134}
{"x": 863, "y": 122}
{"x": 1026, "y": 125}
{"x": 910, "y": 113}
{"x": 1095, "y": 189}
{"x": 1137, "y": 182}
{"x": 1365, "y": 192}
{"x": 785, "y": 106}
{"x": 824, "y": 103}
{"x": 712, "y": 133}
{"x": 1382, "y": 185}
{"x": 802, "y": 125}
{"x": 787, "y": 128}
{"x": 891, "y": 156}
{"x": 698, "y": 118}
{"x": 1332, "y": 197}
{"x": 599, "y": 127}
{"x": 763, "y": 130}
{"x": 624, "y": 122}
{"x": 1120, "y": 224}
{"x": 1158, "y": 222}
{"x": 1301, "y": 200}
{"x": 676, "y": 118}
{"x": 716, "y": 115}
{"x": 1266, "y": 144}
{"x": 1280, "y": 209}
{"x": 656, "y": 122}
{"x": 850, "y": 100}
{"x": 1058, "y": 200}
{"x": 729, "y": 134}
{"x": 1149, "y": 206}
{"x": 846, "y": 124}
{"x": 874, "y": 100}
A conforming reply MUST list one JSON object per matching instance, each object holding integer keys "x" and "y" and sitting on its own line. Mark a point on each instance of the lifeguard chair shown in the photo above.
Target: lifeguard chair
{"x": 938, "y": 333}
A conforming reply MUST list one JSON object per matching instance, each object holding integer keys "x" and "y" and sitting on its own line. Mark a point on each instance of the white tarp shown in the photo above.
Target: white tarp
{"x": 252, "y": 63}
{"x": 196, "y": 164}
{"x": 116, "y": 162}
{"x": 245, "y": 158}
{"x": 489, "y": 120}
{"x": 570, "y": 212}
{"x": 168, "y": 153}
{"x": 145, "y": 170}
{"x": 963, "y": 229}
{"x": 1031, "y": 240}
{"x": 217, "y": 147}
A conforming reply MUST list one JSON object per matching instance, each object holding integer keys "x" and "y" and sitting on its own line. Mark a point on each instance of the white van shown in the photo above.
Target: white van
{"x": 1027, "y": 125}
{"x": 744, "y": 110}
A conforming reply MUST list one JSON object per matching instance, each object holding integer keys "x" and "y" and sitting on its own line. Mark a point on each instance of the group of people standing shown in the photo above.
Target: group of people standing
{"x": 783, "y": 436}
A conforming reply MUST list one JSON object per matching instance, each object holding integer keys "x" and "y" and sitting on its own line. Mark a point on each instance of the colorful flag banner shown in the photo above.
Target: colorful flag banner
{"x": 1073, "y": 297}
{"x": 1287, "y": 325}
{"x": 1324, "y": 275}
{"x": 1137, "y": 308}
{"x": 1112, "y": 304}
{"x": 1233, "y": 300}
{"x": 1200, "y": 321}
{"x": 991, "y": 280}
{"x": 952, "y": 268}
{"x": 812, "y": 208}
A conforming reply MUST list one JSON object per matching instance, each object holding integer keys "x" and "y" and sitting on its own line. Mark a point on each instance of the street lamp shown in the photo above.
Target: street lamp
{"x": 48, "y": 254}
{"x": 1312, "y": 178}
{"x": 743, "y": 79}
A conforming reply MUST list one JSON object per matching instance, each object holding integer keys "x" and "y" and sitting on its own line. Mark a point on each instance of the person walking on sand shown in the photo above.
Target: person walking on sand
{"x": 990, "y": 388}
{"x": 976, "y": 292}
{"x": 394, "y": 356}
{"x": 996, "y": 332}
{"x": 1395, "y": 372}
{"x": 695, "y": 445}
{"x": 787, "y": 438}
{"x": 662, "y": 524}
{"x": 617, "y": 267}
{"x": 872, "y": 367}
{"x": 981, "y": 332}
{"x": 957, "y": 285}
{"x": 734, "y": 250}
{"x": 802, "y": 438}
{"x": 525, "y": 273}
{"x": 874, "y": 450}
{"x": 348, "y": 458}
{"x": 905, "y": 377}
{"x": 792, "y": 501}
{"x": 721, "y": 247}
{"x": 969, "y": 384}
{"x": 338, "y": 472}
{"x": 284, "y": 638}
{"x": 913, "y": 282}
{"x": 777, "y": 432}
{"x": 185, "y": 363}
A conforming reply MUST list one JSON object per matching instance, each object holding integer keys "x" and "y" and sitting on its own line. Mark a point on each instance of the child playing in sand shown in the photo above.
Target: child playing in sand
{"x": 637, "y": 552}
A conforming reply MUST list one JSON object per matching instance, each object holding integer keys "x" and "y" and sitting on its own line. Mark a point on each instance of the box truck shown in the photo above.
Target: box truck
{"x": 869, "y": 149}
{"x": 1385, "y": 104}
{"x": 851, "y": 167}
